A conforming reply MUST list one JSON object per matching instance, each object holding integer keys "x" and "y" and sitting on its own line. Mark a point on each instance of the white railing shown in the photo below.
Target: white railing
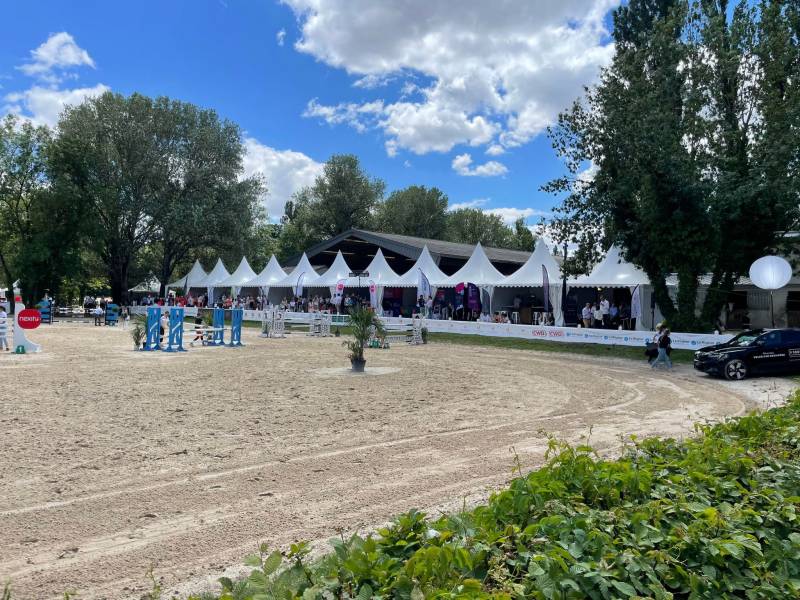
{"x": 569, "y": 335}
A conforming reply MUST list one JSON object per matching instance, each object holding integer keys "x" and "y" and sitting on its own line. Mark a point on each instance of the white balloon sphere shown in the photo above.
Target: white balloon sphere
{"x": 770, "y": 272}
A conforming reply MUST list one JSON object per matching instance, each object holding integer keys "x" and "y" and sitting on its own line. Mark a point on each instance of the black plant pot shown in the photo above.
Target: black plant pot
{"x": 358, "y": 364}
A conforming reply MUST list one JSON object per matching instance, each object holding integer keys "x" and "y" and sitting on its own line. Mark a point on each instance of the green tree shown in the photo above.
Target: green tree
{"x": 342, "y": 197}
{"x": 522, "y": 237}
{"x": 691, "y": 133}
{"x": 154, "y": 172}
{"x": 40, "y": 226}
{"x": 22, "y": 184}
{"x": 470, "y": 226}
{"x": 203, "y": 203}
{"x": 415, "y": 210}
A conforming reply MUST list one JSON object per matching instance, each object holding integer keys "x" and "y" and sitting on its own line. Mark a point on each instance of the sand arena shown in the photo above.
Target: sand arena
{"x": 114, "y": 461}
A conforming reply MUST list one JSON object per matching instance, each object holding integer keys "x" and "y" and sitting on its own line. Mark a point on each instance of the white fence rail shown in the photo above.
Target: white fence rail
{"x": 569, "y": 335}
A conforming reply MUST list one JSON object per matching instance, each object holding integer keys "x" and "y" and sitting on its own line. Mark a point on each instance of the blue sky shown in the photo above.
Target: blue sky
{"x": 422, "y": 92}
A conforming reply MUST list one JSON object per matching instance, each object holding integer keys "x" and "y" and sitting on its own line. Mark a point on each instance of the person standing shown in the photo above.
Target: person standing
{"x": 664, "y": 347}
{"x": 586, "y": 315}
{"x": 163, "y": 327}
{"x": 3, "y": 329}
{"x": 597, "y": 316}
{"x": 604, "y": 310}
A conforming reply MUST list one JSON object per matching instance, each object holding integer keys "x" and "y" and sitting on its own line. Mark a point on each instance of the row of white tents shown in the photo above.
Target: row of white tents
{"x": 540, "y": 269}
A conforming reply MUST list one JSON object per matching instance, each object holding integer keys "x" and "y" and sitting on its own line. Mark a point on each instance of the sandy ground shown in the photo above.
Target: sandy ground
{"x": 114, "y": 460}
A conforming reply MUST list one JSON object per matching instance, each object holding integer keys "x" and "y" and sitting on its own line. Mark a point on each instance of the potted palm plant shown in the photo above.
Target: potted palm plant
{"x": 362, "y": 322}
{"x": 138, "y": 331}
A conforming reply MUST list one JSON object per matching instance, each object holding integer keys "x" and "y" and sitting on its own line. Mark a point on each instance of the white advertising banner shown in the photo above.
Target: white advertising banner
{"x": 568, "y": 335}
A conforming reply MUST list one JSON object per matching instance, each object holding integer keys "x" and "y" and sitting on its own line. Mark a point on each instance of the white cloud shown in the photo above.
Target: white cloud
{"x": 59, "y": 52}
{"x": 462, "y": 165}
{"x": 44, "y": 105}
{"x": 476, "y": 203}
{"x": 280, "y": 37}
{"x": 285, "y": 171}
{"x": 497, "y": 72}
{"x": 495, "y": 150}
{"x": 355, "y": 115}
{"x": 509, "y": 215}
{"x": 588, "y": 174}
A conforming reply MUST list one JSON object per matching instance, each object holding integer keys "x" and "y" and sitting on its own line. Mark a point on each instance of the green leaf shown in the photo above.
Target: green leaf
{"x": 625, "y": 588}
{"x": 252, "y": 560}
{"x": 365, "y": 593}
{"x": 272, "y": 562}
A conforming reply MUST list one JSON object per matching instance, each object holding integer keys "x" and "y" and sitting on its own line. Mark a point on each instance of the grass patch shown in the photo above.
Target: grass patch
{"x": 631, "y": 352}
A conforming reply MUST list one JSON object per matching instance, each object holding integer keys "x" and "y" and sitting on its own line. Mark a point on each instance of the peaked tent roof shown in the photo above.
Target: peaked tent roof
{"x": 530, "y": 274}
{"x": 339, "y": 269}
{"x": 304, "y": 266}
{"x": 151, "y": 285}
{"x": 240, "y": 277}
{"x": 271, "y": 274}
{"x": 612, "y": 271}
{"x": 477, "y": 270}
{"x": 428, "y": 266}
{"x": 380, "y": 272}
{"x": 194, "y": 277}
{"x": 218, "y": 273}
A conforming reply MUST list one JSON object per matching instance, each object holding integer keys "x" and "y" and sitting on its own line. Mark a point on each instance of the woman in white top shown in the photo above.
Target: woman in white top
{"x": 597, "y": 315}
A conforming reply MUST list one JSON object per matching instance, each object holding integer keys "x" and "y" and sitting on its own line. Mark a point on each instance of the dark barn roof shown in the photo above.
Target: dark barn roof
{"x": 359, "y": 246}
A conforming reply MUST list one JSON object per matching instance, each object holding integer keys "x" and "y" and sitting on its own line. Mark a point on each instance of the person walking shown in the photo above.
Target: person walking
{"x": 664, "y": 347}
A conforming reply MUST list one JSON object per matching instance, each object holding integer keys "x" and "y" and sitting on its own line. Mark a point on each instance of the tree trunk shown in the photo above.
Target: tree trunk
{"x": 716, "y": 297}
{"x": 686, "y": 319}
{"x": 118, "y": 274}
{"x": 165, "y": 274}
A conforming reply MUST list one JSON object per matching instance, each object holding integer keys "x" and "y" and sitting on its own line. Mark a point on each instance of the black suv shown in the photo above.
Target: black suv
{"x": 755, "y": 352}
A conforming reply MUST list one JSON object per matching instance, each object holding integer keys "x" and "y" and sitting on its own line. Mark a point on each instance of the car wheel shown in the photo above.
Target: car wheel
{"x": 735, "y": 369}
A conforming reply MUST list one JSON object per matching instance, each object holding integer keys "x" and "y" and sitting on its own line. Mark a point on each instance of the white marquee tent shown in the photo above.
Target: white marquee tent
{"x": 303, "y": 274}
{"x": 217, "y": 274}
{"x": 531, "y": 274}
{"x": 193, "y": 278}
{"x": 381, "y": 273}
{"x": 612, "y": 271}
{"x": 271, "y": 275}
{"x": 478, "y": 270}
{"x": 615, "y": 272}
{"x": 429, "y": 268}
{"x": 338, "y": 270}
{"x": 150, "y": 286}
{"x": 240, "y": 278}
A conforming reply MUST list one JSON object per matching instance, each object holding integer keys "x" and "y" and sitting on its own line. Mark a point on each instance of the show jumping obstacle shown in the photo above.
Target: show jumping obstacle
{"x": 176, "y": 329}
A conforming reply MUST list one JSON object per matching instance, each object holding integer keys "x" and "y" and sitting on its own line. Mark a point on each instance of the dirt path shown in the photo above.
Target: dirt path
{"x": 114, "y": 461}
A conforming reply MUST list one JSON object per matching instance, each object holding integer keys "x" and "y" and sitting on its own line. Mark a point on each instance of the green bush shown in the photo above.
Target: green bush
{"x": 715, "y": 516}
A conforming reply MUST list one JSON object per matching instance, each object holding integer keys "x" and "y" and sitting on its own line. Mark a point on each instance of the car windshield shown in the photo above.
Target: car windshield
{"x": 744, "y": 339}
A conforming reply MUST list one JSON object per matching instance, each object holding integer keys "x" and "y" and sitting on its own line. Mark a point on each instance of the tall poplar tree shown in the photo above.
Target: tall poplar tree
{"x": 692, "y": 135}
